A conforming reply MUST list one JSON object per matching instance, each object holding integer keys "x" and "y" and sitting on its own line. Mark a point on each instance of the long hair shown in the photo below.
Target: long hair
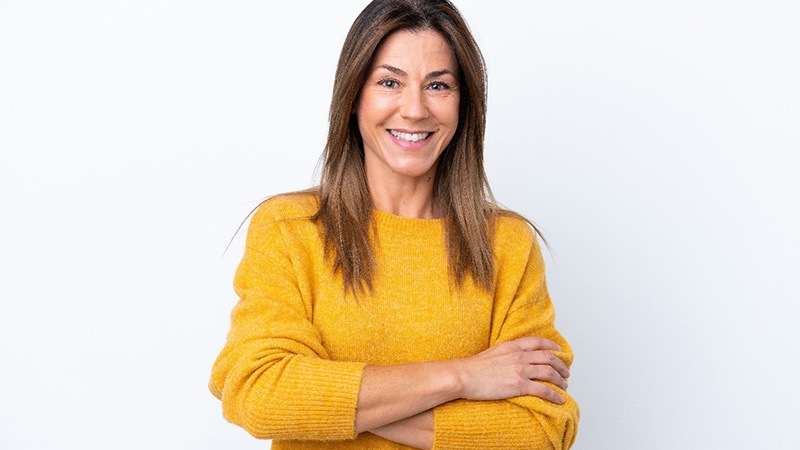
{"x": 461, "y": 189}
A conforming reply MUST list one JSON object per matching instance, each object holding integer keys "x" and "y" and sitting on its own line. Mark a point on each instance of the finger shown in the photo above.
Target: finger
{"x": 545, "y": 373}
{"x": 532, "y": 343}
{"x": 546, "y": 393}
{"x": 541, "y": 357}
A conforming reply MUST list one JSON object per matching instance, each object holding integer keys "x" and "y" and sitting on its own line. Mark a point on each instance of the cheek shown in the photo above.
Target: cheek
{"x": 364, "y": 117}
{"x": 457, "y": 109}
{"x": 449, "y": 112}
{"x": 452, "y": 122}
{"x": 451, "y": 118}
{"x": 368, "y": 116}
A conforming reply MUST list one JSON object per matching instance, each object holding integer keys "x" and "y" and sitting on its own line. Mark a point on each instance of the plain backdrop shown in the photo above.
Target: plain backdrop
{"x": 655, "y": 144}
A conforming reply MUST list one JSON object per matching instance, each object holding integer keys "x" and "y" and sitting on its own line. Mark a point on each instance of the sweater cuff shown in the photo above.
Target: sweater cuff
{"x": 325, "y": 409}
{"x": 505, "y": 424}
{"x": 464, "y": 424}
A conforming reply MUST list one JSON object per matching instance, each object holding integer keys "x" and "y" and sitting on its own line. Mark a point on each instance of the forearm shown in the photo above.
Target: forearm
{"x": 392, "y": 393}
{"x": 523, "y": 422}
{"x": 297, "y": 397}
{"x": 519, "y": 423}
{"x": 415, "y": 431}
{"x": 510, "y": 369}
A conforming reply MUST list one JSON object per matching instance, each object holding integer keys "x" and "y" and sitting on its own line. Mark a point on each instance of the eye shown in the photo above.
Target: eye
{"x": 388, "y": 83}
{"x": 439, "y": 86}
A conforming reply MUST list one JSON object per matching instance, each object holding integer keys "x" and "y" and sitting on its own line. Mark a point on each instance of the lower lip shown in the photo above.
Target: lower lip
{"x": 408, "y": 145}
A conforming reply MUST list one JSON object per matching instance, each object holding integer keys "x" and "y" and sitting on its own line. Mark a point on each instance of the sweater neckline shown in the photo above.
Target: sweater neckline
{"x": 387, "y": 219}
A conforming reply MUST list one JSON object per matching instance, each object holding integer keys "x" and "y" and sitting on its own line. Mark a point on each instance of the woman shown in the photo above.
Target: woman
{"x": 396, "y": 303}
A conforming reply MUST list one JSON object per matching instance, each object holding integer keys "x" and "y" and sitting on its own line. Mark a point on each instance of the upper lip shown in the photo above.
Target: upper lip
{"x": 401, "y": 130}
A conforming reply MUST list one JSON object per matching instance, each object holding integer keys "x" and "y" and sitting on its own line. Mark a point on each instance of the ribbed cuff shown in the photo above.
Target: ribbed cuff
{"x": 319, "y": 404}
{"x": 465, "y": 424}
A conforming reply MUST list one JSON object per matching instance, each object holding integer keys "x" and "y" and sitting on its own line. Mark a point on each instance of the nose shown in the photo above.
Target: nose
{"x": 414, "y": 105}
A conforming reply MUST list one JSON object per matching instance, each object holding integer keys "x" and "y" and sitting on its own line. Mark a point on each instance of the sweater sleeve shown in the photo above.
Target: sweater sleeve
{"x": 274, "y": 376}
{"x": 522, "y": 308}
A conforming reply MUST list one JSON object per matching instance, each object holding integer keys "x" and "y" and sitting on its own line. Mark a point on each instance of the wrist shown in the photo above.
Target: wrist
{"x": 456, "y": 378}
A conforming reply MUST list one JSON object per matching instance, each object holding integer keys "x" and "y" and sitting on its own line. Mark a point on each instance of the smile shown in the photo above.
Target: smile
{"x": 410, "y": 137}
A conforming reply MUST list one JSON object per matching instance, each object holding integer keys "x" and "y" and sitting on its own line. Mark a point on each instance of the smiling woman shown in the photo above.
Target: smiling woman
{"x": 397, "y": 303}
{"x": 407, "y": 115}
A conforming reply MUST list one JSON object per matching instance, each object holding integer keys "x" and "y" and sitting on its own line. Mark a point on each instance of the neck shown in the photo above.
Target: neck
{"x": 412, "y": 200}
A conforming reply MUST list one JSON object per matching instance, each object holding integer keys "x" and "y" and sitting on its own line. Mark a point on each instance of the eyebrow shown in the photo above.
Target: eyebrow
{"x": 401, "y": 72}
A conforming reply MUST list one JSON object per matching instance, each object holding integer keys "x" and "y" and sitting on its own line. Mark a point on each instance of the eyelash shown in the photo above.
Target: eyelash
{"x": 443, "y": 86}
{"x": 384, "y": 81}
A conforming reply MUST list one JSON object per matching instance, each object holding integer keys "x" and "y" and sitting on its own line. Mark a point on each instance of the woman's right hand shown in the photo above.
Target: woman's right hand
{"x": 512, "y": 369}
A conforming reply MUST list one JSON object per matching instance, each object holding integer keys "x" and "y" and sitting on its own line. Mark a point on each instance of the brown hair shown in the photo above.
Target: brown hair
{"x": 461, "y": 189}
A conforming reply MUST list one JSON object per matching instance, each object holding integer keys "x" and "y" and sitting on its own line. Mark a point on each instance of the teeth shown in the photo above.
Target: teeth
{"x": 411, "y": 137}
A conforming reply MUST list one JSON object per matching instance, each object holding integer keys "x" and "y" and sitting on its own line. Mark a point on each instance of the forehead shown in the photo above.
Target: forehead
{"x": 425, "y": 50}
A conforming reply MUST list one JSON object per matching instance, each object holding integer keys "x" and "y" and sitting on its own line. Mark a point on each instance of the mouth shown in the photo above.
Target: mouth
{"x": 410, "y": 137}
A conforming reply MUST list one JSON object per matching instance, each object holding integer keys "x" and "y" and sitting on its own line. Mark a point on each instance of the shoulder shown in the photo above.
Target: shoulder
{"x": 512, "y": 226}
{"x": 294, "y": 205}
{"x": 282, "y": 216}
{"x": 515, "y": 237}
{"x": 517, "y": 253}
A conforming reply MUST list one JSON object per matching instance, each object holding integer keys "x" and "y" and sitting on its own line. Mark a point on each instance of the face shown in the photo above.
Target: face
{"x": 408, "y": 107}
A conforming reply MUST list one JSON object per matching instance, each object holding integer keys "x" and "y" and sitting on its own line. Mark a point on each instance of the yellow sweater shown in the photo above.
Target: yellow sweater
{"x": 291, "y": 368}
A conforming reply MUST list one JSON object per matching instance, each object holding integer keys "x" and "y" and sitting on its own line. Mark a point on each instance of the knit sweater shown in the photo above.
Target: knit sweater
{"x": 298, "y": 343}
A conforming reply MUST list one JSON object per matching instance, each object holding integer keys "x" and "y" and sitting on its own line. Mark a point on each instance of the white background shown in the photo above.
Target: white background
{"x": 655, "y": 143}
